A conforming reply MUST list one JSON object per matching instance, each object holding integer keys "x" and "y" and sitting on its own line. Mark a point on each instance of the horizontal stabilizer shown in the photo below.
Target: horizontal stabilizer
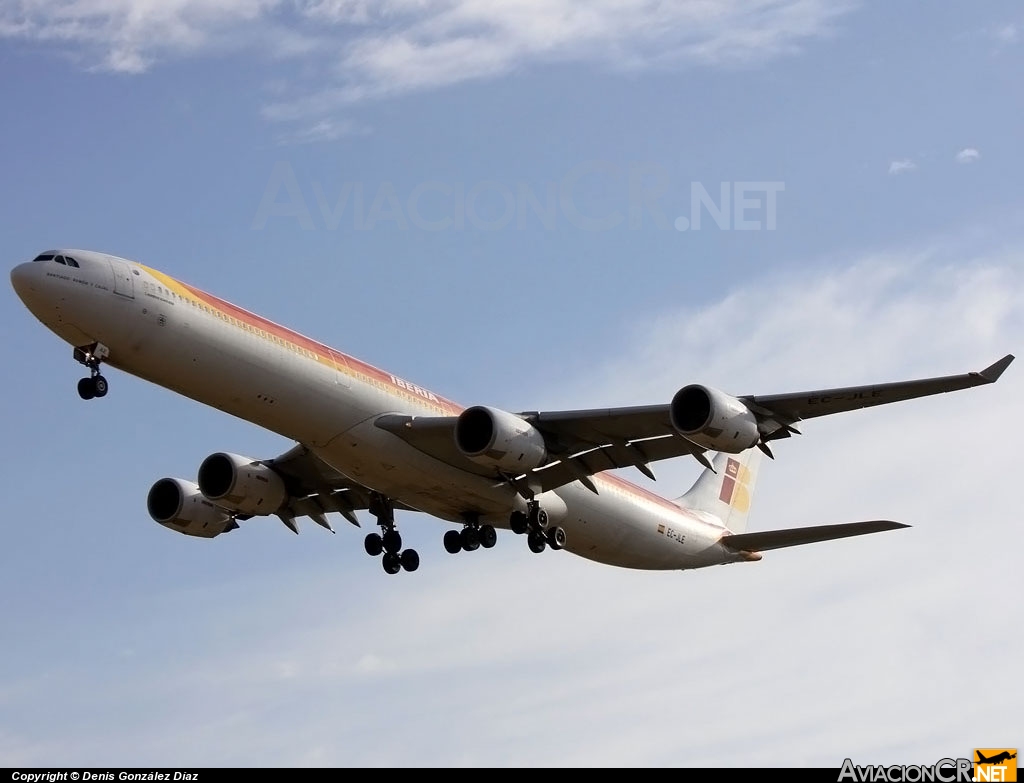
{"x": 777, "y": 539}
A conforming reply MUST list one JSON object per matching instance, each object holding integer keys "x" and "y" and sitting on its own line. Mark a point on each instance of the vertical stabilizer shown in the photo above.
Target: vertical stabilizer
{"x": 727, "y": 491}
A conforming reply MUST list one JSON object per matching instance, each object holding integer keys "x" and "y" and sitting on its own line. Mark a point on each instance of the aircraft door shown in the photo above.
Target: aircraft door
{"x": 124, "y": 283}
{"x": 341, "y": 375}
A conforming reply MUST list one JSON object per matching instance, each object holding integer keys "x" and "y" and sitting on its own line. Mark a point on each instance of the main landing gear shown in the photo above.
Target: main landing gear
{"x": 536, "y": 525}
{"x": 389, "y": 540}
{"x": 472, "y": 536}
{"x": 91, "y": 356}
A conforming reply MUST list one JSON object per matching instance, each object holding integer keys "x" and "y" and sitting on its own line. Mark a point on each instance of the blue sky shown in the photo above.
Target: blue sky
{"x": 213, "y": 140}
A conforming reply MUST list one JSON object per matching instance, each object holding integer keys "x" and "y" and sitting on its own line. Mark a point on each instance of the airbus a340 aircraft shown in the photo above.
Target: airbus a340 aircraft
{"x": 369, "y": 440}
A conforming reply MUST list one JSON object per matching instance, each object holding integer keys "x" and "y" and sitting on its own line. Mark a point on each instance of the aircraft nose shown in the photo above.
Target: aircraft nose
{"x": 21, "y": 279}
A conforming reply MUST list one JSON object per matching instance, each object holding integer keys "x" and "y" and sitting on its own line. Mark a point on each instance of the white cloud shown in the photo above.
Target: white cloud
{"x": 1007, "y": 33}
{"x": 128, "y": 35}
{"x": 967, "y": 155}
{"x": 902, "y": 166}
{"x": 871, "y": 648}
{"x": 416, "y": 45}
{"x": 353, "y": 50}
{"x": 323, "y": 130}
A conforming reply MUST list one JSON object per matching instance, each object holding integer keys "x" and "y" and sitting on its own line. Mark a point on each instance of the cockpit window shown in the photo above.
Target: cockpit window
{"x": 71, "y": 261}
{"x": 44, "y": 257}
{"x": 60, "y": 260}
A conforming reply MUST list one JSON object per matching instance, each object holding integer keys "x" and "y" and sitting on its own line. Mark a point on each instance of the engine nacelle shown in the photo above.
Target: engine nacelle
{"x": 241, "y": 484}
{"x": 713, "y": 419}
{"x": 499, "y": 439}
{"x": 180, "y": 506}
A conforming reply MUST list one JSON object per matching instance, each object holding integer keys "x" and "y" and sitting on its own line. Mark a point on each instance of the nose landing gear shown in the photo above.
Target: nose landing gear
{"x": 91, "y": 356}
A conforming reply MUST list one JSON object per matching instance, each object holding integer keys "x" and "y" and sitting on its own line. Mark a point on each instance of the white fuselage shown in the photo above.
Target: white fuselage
{"x": 181, "y": 338}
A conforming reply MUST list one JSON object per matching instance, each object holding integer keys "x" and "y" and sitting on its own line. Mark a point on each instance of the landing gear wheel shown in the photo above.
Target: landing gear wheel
{"x": 410, "y": 560}
{"x": 453, "y": 542}
{"x": 373, "y": 544}
{"x": 536, "y": 542}
{"x": 392, "y": 562}
{"x": 92, "y": 356}
{"x": 488, "y": 536}
{"x": 392, "y": 541}
{"x": 518, "y": 522}
{"x": 470, "y": 539}
{"x": 556, "y": 538}
{"x": 541, "y": 519}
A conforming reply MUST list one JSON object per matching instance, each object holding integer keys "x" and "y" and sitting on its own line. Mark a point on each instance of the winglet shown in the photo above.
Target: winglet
{"x": 992, "y": 372}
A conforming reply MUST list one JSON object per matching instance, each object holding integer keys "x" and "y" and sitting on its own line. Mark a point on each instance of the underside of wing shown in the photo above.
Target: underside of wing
{"x": 778, "y": 539}
{"x": 433, "y": 435}
{"x": 562, "y": 455}
{"x": 795, "y": 406}
{"x": 316, "y": 489}
{"x": 610, "y": 456}
{"x": 573, "y": 431}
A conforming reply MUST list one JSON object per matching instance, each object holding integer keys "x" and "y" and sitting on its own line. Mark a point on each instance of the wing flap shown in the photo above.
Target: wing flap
{"x": 778, "y": 539}
{"x": 632, "y": 454}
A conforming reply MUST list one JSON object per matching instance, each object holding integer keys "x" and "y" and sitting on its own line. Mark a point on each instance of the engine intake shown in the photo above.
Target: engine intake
{"x": 713, "y": 419}
{"x": 179, "y": 505}
{"x": 499, "y": 439}
{"x": 241, "y": 484}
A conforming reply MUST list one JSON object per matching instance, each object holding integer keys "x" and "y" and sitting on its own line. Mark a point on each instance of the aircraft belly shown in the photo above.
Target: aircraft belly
{"x": 626, "y": 531}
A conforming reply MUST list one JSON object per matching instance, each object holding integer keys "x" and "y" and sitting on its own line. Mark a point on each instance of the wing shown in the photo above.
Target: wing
{"x": 317, "y": 489}
{"x": 577, "y": 449}
{"x": 808, "y": 405}
{"x": 582, "y": 443}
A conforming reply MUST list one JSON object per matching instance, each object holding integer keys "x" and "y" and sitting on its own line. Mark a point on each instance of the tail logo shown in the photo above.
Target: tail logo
{"x": 736, "y": 486}
{"x": 998, "y": 765}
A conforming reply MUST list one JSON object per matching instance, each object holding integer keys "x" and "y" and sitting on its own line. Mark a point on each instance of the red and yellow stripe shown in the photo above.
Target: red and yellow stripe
{"x": 317, "y": 351}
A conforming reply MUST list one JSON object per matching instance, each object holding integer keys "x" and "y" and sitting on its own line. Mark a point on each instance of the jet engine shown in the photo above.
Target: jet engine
{"x": 713, "y": 419}
{"x": 180, "y": 506}
{"x": 499, "y": 439}
{"x": 241, "y": 484}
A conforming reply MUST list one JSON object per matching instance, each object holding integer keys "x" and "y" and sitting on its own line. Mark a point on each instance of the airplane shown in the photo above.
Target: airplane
{"x": 368, "y": 440}
{"x": 996, "y": 759}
